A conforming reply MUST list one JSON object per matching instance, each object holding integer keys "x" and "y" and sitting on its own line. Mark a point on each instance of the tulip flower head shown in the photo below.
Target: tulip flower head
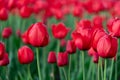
{"x": 25, "y": 55}
{"x": 52, "y": 57}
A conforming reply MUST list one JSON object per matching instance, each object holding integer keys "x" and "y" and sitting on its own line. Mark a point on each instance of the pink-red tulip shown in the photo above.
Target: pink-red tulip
{"x": 6, "y": 33}
{"x": 5, "y": 60}
{"x": 62, "y": 59}
{"x": 59, "y": 31}
{"x": 38, "y": 35}
{"x": 71, "y": 47}
{"x": 25, "y": 55}
{"x": 3, "y": 14}
{"x": 113, "y": 26}
{"x": 2, "y": 50}
{"x": 52, "y": 57}
{"x": 107, "y": 46}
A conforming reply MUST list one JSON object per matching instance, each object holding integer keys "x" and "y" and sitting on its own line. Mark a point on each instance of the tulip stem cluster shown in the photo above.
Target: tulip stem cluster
{"x": 105, "y": 69}
{"x": 112, "y": 64}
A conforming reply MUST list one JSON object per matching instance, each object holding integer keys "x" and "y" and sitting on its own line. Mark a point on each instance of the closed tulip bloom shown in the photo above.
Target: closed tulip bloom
{"x": 3, "y": 14}
{"x": 25, "y": 55}
{"x": 5, "y": 60}
{"x": 83, "y": 39}
{"x": 52, "y": 57}
{"x": 62, "y": 59}
{"x": 107, "y": 47}
{"x": 2, "y": 50}
{"x": 59, "y": 31}
{"x": 97, "y": 34}
{"x": 25, "y": 12}
{"x": 113, "y": 26}
{"x": 6, "y": 33}
{"x": 71, "y": 47}
{"x": 38, "y": 35}
{"x": 63, "y": 42}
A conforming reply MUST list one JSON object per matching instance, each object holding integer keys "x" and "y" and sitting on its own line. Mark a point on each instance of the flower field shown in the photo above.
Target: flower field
{"x": 59, "y": 39}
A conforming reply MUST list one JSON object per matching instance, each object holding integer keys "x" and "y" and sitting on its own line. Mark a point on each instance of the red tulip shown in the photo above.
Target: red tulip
{"x": 5, "y": 60}
{"x": 91, "y": 51}
{"x": 52, "y": 57}
{"x": 98, "y": 21}
{"x": 18, "y": 33}
{"x": 62, "y": 59}
{"x": 2, "y": 50}
{"x": 6, "y": 33}
{"x": 3, "y": 14}
{"x": 95, "y": 58}
{"x": 62, "y": 42}
{"x": 78, "y": 11}
{"x": 113, "y": 26}
{"x": 83, "y": 38}
{"x": 25, "y": 12}
{"x": 38, "y": 35}
{"x": 107, "y": 46}
{"x": 25, "y": 55}
{"x": 97, "y": 34}
{"x": 71, "y": 47}
{"x": 59, "y": 31}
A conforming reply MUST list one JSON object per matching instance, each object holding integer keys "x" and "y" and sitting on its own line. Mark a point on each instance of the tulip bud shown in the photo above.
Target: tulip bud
{"x": 5, "y": 60}
{"x": 3, "y": 14}
{"x": 6, "y": 33}
{"x": 2, "y": 50}
{"x": 18, "y": 33}
{"x": 107, "y": 47}
{"x": 59, "y": 31}
{"x": 38, "y": 35}
{"x": 91, "y": 51}
{"x": 70, "y": 47}
{"x": 62, "y": 59}
{"x": 25, "y": 55}
{"x": 52, "y": 57}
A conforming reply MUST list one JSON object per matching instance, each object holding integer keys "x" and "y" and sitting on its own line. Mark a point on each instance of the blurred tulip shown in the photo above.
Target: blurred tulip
{"x": 3, "y": 14}
{"x": 62, "y": 42}
{"x": 107, "y": 46}
{"x": 62, "y": 59}
{"x": 91, "y": 51}
{"x": 71, "y": 47}
{"x": 25, "y": 12}
{"x": 52, "y": 57}
{"x": 2, "y": 50}
{"x": 59, "y": 31}
{"x": 97, "y": 34}
{"x": 95, "y": 58}
{"x": 113, "y": 26}
{"x": 38, "y": 35}
{"x": 5, "y": 60}
{"x": 18, "y": 33}
{"x": 6, "y": 33}
{"x": 25, "y": 55}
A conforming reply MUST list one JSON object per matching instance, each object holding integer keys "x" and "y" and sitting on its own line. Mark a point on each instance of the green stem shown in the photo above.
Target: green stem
{"x": 29, "y": 73}
{"x": 90, "y": 69}
{"x": 83, "y": 66}
{"x": 101, "y": 68}
{"x": 69, "y": 68}
{"x": 38, "y": 64}
{"x": 111, "y": 69}
{"x": 105, "y": 67}
{"x": 116, "y": 68}
{"x": 98, "y": 66}
{"x": 53, "y": 72}
{"x": 64, "y": 73}
{"x": 58, "y": 47}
